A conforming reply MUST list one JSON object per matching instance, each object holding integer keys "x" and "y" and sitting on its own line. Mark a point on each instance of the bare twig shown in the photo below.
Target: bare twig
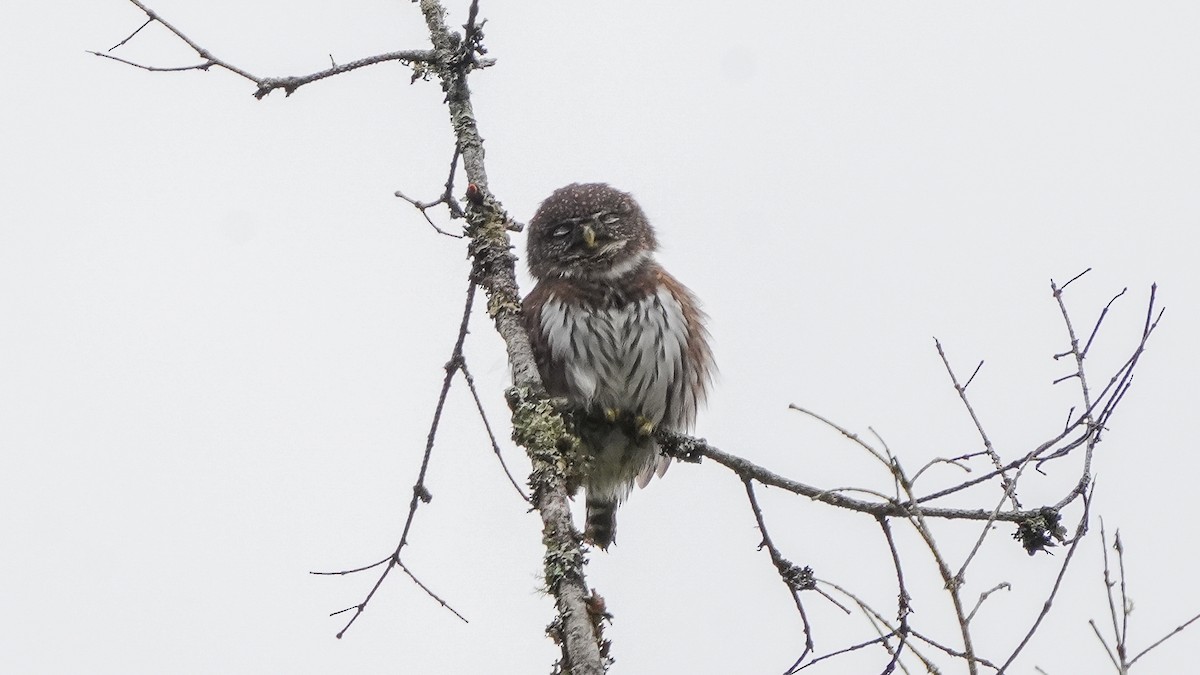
{"x": 1002, "y": 586}
{"x": 131, "y": 35}
{"x": 952, "y": 583}
{"x": 1006, "y": 484}
{"x": 903, "y": 608}
{"x": 1108, "y": 650}
{"x": 1074, "y": 278}
{"x": 958, "y": 654}
{"x": 987, "y": 526}
{"x": 1120, "y": 625}
{"x": 881, "y": 640}
{"x": 1178, "y": 629}
{"x": 952, "y": 461}
{"x": 155, "y": 69}
{"x": 429, "y": 592}
{"x": 1062, "y": 571}
{"x": 1100, "y": 320}
{"x": 209, "y": 59}
{"x": 1090, "y": 426}
{"x": 420, "y": 491}
{"x": 447, "y": 198}
{"x": 794, "y": 577}
{"x": 1118, "y": 632}
{"x": 488, "y": 427}
{"x": 265, "y": 85}
{"x": 845, "y": 432}
{"x": 888, "y": 630}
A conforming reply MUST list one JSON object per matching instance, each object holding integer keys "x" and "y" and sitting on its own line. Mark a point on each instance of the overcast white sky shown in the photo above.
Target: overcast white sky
{"x": 221, "y": 337}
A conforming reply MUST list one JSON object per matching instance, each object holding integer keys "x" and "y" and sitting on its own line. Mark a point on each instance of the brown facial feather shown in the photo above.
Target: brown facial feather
{"x": 556, "y": 246}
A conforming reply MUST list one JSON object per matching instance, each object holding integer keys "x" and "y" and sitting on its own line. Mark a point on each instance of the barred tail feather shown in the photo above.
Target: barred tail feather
{"x": 601, "y": 528}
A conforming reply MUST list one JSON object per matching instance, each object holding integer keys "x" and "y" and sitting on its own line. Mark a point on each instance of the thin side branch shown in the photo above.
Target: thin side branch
{"x": 421, "y": 494}
{"x": 1005, "y": 482}
{"x": 447, "y": 198}
{"x": 1168, "y": 636}
{"x": 1062, "y": 572}
{"x": 265, "y": 85}
{"x": 491, "y": 435}
{"x": 796, "y": 578}
{"x": 689, "y": 448}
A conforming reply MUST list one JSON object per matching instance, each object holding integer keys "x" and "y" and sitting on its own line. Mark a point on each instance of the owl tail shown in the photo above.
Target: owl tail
{"x": 601, "y": 528}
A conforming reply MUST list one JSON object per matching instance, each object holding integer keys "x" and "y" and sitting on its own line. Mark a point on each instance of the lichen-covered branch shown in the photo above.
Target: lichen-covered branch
{"x": 539, "y": 428}
{"x": 537, "y": 425}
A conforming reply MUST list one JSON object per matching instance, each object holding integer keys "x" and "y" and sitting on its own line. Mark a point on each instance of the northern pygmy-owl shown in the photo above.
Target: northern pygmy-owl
{"x": 615, "y": 335}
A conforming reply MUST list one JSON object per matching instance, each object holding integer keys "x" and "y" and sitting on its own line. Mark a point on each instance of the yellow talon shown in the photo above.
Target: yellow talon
{"x": 612, "y": 414}
{"x": 645, "y": 425}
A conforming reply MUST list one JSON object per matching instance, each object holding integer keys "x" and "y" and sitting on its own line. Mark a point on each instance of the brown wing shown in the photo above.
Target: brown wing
{"x": 698, "y": 367}
{"x": 554, "y": 375}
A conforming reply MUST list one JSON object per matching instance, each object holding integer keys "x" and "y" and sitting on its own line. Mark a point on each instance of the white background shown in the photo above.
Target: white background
{"x": 221, "y": 337}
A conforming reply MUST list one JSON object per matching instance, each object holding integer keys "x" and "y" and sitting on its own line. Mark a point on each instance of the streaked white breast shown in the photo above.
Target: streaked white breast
{"x": 632, "y": 358}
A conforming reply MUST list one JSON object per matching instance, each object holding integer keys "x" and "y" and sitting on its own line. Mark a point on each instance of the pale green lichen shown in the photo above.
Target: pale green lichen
{"x": 553, "y": 448}
{"x": 554, "y": 451}
{"x": 1039, "y": 532}
{"x": 490, "y": 249}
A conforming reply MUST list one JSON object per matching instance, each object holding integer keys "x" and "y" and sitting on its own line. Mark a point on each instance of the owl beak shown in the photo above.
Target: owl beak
{"x": 588, "y": 235}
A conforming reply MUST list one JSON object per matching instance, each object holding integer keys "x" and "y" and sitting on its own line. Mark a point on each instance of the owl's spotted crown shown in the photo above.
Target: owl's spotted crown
{"x": 588, "y": 230}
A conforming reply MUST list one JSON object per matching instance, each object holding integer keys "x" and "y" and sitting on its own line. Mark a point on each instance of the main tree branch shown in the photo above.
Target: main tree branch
{"x": 537, "y": 426}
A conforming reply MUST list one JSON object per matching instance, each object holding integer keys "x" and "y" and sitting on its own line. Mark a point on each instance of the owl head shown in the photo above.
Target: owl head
{"x": 589, "y": 231}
